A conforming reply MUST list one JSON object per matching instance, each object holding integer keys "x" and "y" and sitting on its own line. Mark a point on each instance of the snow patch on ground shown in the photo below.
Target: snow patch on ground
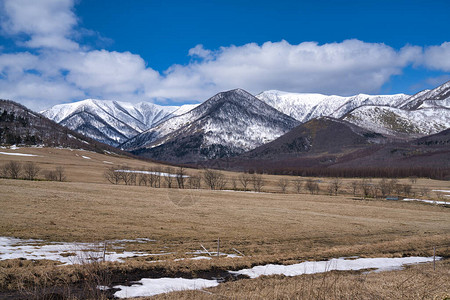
{"x": 147, "y": 287}
{"x": 428, "y": 201}
{"x": 17, "y": 154}
{"x": 162, "y": 174}
{"x": 66, "y": 253}
{"x": 85, "y": 157}
{"x": 340, "y": 264}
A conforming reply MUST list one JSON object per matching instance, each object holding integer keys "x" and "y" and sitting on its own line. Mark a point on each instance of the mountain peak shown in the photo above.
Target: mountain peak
{"x": 439, "y": 93}
{"x": 226, "y": 124}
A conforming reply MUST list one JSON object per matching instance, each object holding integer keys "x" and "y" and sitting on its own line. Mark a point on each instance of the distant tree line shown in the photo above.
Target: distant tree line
{"x": 424, "y": 172}
{"x": 30, "y": 171}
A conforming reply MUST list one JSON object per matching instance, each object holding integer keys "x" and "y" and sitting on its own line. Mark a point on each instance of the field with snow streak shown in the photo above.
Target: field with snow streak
{"x": 267, "y": 228}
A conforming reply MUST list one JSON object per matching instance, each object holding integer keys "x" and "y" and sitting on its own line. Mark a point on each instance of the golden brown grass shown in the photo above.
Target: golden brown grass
{"x": 256, "y": 224}
{"x": 415, "y": 282}
{"x": 266, "y": 227}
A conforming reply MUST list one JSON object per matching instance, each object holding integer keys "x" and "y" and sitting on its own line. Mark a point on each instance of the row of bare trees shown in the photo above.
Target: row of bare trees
{"x": 178, "y": 178}
{"x": 216, "y": 180}
{"x": 248, "y": 182}
{"x": 30, "y": 171}
{"x": 153, "y": 177}
{"x": 383, "y": 188}
{"x": 364, "y": 187}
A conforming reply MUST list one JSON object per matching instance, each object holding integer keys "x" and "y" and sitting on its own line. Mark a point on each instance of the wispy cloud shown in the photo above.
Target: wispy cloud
{"x": 57, "y": 68}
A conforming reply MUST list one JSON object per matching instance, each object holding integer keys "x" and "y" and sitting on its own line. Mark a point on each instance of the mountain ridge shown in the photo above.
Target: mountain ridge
{"x": 228, "y": 123}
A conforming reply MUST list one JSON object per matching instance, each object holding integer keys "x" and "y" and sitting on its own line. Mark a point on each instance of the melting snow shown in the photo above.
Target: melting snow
{"x": 427, "y": 201}
{"x": 340, "y": 264}
{"x": 66, "y": 253}
{"x": 17, "y": 154}
{"x": 85, "y": 157}
{"x": 149, "y": 287}
{"x": 151, "y": 173}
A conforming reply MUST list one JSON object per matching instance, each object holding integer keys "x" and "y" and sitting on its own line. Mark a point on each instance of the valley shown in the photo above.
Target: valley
{"x": 265, "y": 227}
{"x": 201, "y": 196}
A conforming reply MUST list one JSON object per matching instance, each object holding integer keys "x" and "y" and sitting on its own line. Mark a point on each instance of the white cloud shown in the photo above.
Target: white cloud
{"x": 438, "y": 57}
{"x": 62, "y": 70}
{"x": 48, "y": 23}
{"x": 349, "y": 67}
{"x": 201, "y": 52}
{"x": 106, "y": 73}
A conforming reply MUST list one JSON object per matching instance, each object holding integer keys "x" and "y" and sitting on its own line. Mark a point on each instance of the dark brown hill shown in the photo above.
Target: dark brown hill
{"x": 328, "y": 143}
{"x": 21, "y": 126}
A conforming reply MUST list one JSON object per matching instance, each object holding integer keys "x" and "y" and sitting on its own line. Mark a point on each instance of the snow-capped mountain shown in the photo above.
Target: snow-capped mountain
{"x": 227, "y": 124}
{"x": 424, "y": 113}
{"x": 111, "y": 122}
{"x": 400, "y": 122}
{"x": 21, "y": 126}
{"x": 439, "y": 96}
{"x": 427, "y": 112}
{"x": 305, "y": 107}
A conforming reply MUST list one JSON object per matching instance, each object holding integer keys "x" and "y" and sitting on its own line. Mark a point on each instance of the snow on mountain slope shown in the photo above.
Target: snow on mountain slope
{"x": 441, "y": 94}
{"x": 111, "y": 122}
{"x": 305, "y": 107}
{"x": 227, "y": 124}
{"x": 392, "y": 121}
{"x": 424, "y": 113}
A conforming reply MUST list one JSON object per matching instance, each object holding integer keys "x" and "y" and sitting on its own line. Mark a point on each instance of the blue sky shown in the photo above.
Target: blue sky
{"x": 174, "y": 52}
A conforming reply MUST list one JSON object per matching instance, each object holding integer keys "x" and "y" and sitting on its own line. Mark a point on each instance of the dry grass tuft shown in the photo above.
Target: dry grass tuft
{"x": 415, "y": 282}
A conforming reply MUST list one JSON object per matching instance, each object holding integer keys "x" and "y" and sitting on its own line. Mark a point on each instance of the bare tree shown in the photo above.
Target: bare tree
{"x": 143, "y": 179}
{"x": 4, "y": 171}
{"x": 312, "y": 186}
{"x": 181, "y": 177}
{"x": 127, "y": 175}
{"x": 424, "y": 191}
{"x": 51, "y": 175}
{"x": 244, "y": 179}
{"x": 31, "y": 170}
{"x": 298, "y": 185}
{"x": 406, "y": 189}
{"x": 258, "y": 182}
{"x": 335, "y": 185}
{"x": 60, "y": 174}
{"x": 283, "y": 183}
{"x": 439, "y": 195}
{"x": 194, "y": 181}
{"x": 366, "y": 187}
{"x": 384, "y": 187}
{"x": 168, "y": 177}
{"x": 394, "y": 186}
{"x": 354, "y": 186}
{"x": 158, "y": 176}
{"x": 215, "y": 180}
{"x": 234, "y": 183}
{"x": 413, "y": 179}
{"x": 151, "y": 178}
{"x": 14, "y": 168}
{"x": 112, "y": 176}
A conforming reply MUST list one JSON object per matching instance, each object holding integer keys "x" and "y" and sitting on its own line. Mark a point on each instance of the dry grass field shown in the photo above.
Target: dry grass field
{"x": 267, "y": 227}
{"x": 416, "y": 282}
